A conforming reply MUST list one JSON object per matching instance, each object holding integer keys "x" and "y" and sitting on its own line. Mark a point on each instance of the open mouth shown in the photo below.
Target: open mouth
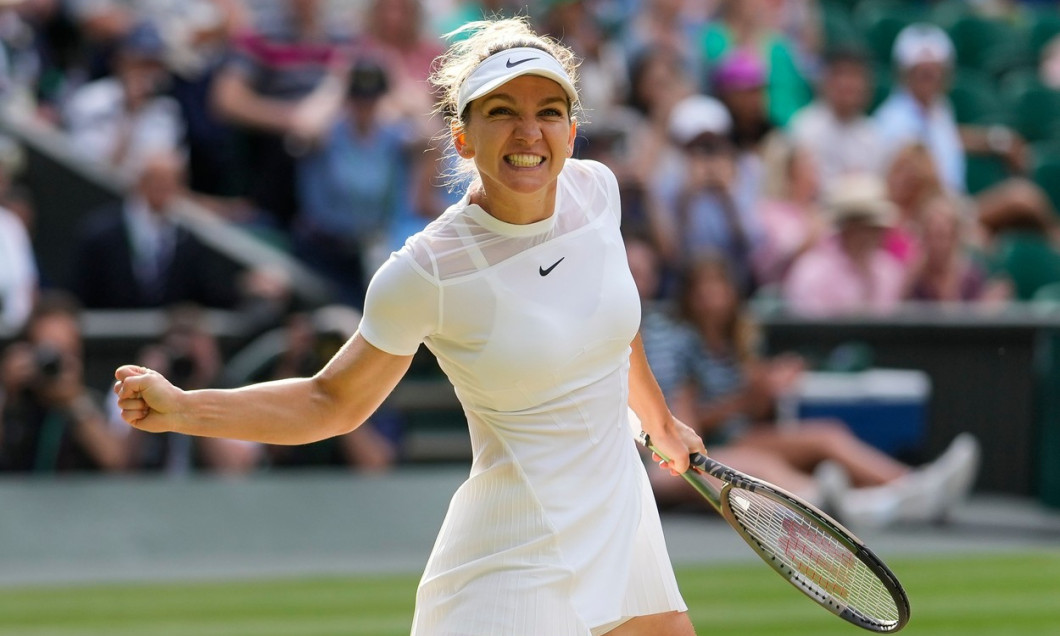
{"x": 524, "y": 161}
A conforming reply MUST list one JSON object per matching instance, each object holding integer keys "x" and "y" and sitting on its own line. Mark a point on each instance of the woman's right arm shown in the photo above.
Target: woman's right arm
{"x": 336, "y": 400}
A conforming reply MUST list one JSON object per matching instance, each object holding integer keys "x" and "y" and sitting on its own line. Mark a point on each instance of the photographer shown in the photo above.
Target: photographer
{"x": 122, "y": 118}
{"x": 709, "y": 205}
{"x": 49, "y": 420}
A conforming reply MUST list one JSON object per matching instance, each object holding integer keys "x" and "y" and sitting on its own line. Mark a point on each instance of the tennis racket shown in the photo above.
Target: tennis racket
{"x": 817, "y": 555}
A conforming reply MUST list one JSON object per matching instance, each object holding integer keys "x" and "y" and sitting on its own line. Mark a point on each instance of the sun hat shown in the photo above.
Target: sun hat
{"x": 860, "y": 197}
{"x": 504, "y": 66}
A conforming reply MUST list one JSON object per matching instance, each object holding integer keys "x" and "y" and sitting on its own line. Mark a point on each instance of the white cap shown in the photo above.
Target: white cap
{"x": 501, "y": 68}
{"x": 696, "y": 115}
{"x": 922, "y": 42}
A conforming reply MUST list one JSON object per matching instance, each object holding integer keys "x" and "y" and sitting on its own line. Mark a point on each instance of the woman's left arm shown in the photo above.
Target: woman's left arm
{"x": 668, "y": 433}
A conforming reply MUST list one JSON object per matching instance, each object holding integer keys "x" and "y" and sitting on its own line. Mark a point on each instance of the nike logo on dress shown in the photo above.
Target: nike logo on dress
{"x": 510, "y": 63}
{"x": 546, "y": 272}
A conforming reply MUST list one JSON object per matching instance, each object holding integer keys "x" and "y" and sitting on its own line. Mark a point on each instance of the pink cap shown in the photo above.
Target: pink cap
{"x": 740, "y": 70}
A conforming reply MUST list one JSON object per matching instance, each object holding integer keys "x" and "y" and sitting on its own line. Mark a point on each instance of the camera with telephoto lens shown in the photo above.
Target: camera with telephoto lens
{"x": 49, "y": 362}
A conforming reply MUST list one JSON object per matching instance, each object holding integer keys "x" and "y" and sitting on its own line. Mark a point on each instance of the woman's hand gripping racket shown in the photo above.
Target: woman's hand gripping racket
{"x": 805, "y": 546}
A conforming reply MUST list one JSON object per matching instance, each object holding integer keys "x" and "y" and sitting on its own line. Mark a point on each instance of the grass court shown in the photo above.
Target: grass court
{"x": 988, "y": 595}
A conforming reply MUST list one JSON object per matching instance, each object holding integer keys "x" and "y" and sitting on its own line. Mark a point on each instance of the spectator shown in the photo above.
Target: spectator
{"x": 394, "y": 34}
{"x": 835, "y": 127}
{"x": 60, "y": 51}
{"x": 918, "y": 109}
{"x": 801, "y": 23}
{"x": 119, "y": 120}
{"x": 660, "y": 329}
{"x": 1020, "y": 235}
{"x": 657, "y": 81}
{"x": 18, "y": 272}
{"x": 667, "y": 25}
{"x": 603, "y": 63}
{"x": 49, "y": 420}
{"x": 133, "y": 254}
{"x": 354, "y": 186}
{"x": 791, "y": 219}
{"x": 850, "y": 272}
{"x": 739, "y": 82}
{"x": 743, "y": 25}
{"x": 946, "y": 270}
{"x": 282, "y": 87}
{"x": 730, "y": 392}
{"x": 19, "y": 278}
{"x": 19, "y": 60}
{"x": 710, "y": 205}
{"x": 101, "y": 25}
{"x": 201, "y": 38}
{"x": 1049, "y": 63}
{"x": 911, "y": 179}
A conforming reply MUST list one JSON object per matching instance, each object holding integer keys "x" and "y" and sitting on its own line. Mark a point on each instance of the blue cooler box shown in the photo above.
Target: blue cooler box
{"x": 884, "y": 407}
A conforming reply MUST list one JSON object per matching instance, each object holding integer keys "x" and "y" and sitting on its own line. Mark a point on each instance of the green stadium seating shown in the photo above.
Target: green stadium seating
{"x": 1034, "y": 110}
{"x": 1001, "y": 58}
{"x": 1045, "y": 26}
{"x": 983, "y": 171}
{"x": 839, "y": 28}
{"x": 975, "y": 98}
{"x": 880, "y": 22}
{"x": 1015, "y": 81}
{"x": 882, "y": 84}
{"x": 1030, "y": 261}
{"x": 977, "y": 40}
{"x": 1046, "y": 173}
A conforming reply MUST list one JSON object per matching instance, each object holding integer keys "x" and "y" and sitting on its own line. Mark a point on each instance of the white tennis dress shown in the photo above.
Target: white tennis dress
{"x": 555, "y": 532}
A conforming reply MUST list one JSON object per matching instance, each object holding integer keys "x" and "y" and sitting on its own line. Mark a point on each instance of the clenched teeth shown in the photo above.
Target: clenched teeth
{"x": 524, "y": 161}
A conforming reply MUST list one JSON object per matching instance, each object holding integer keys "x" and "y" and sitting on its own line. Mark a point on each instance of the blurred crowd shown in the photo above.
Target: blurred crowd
{"x": 761, "y": 158}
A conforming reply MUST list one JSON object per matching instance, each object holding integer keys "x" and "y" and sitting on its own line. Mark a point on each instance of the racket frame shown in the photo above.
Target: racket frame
{"x": 719, "y": 500}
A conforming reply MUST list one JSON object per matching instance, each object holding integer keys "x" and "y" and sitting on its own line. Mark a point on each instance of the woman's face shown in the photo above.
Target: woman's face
{"x": 861, "y": 240}
{"x": 847, "y": 88}
{"x": 904, "y": 180}
{"x": 805, "y": 181}
{"x": 940, "y": 228}
{"x": 660, "y": 82}
{"x": 713, "y": 296}
{"x": 519, "y": 136}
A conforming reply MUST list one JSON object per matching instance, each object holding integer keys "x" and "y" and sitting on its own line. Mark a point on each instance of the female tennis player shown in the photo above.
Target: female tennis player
{"x": 523, "y": 293}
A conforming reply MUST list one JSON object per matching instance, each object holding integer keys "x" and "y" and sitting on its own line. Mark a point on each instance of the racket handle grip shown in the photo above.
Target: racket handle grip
{"x": 697, "y": 460}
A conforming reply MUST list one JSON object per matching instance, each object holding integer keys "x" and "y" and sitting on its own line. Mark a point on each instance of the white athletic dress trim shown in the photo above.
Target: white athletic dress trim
{"x": 555, "y": 532}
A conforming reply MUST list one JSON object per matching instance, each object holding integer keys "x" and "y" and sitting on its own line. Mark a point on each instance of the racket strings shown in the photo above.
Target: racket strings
{"x": 827, "y": 567}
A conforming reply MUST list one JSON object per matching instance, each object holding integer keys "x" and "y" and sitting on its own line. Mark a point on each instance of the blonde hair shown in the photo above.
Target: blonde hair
{"x": 479, "y": 40}
{"x": 915, "y": 158}
{"x": 471, "y": 44}
{"x": 779, "y": 152}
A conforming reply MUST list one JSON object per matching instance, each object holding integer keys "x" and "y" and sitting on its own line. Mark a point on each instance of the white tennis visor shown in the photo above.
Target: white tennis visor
{"x": 501, "y": 68}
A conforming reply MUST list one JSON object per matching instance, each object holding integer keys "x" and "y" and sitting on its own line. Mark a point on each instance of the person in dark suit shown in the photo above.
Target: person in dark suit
{"x": 133, "y": 254}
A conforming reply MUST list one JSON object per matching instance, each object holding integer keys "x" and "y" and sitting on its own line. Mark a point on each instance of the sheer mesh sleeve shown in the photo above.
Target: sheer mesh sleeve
{"x": 610, "y": 185}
